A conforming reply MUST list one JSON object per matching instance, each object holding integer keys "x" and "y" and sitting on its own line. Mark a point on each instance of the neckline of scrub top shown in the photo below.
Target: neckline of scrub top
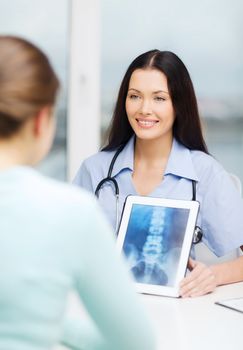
{"x": 179, "y": 163}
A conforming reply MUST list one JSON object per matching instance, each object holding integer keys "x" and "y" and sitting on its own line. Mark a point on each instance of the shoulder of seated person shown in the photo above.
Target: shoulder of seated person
{"x": 63, "y": 191}
{"x": 100, "y": 159}
{"x": 206, "y": 165}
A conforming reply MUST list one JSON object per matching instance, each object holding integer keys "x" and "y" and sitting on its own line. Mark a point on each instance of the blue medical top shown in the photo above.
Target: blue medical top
{"x": 221, "y": 207}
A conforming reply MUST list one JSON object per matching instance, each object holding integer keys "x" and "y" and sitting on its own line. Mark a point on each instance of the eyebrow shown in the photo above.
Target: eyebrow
{"x": 155, "y": 92}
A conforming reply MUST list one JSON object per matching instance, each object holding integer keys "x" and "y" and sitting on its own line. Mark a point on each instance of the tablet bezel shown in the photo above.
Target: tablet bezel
{"x": 193, "y": 207}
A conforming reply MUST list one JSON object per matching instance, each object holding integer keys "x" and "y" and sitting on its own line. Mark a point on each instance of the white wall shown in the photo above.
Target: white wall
{"x": 83, "y": 129}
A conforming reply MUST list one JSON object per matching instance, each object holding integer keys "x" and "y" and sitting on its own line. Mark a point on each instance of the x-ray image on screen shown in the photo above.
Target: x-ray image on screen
{"x": 153, "y": 242}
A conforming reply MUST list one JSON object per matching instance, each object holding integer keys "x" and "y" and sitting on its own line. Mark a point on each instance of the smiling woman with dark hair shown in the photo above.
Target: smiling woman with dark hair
{"x": 156, "y": 148}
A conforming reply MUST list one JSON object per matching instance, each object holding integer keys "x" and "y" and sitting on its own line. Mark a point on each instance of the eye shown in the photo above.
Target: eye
{"x": 159, "y": 98}
{"x": 133, "y": 96}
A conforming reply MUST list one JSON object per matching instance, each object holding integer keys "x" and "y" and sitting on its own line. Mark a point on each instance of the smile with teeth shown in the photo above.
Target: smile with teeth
{"x": 145, "y": 123}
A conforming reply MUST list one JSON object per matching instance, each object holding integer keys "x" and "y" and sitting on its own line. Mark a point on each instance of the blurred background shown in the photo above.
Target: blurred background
{"x": 46, "y": 24}
{"x": 92, "y": 43}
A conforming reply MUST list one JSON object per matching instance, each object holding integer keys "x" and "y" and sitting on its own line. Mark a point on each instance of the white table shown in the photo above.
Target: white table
{"x": 197, "y": 323}
{"x": 191, "y": 323}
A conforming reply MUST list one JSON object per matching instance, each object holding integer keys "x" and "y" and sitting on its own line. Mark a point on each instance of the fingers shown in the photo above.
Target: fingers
{"x": 191, "y": 264}
{"x": 200, "y": 281}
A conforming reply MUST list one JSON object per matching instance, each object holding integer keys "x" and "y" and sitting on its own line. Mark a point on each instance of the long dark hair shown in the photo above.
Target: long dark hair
{"x": 187, "y": 127}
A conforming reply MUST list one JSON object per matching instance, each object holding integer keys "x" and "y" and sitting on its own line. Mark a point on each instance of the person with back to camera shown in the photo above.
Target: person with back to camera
{"x": 53, "y": 236}
{"x": 157, "y": 147}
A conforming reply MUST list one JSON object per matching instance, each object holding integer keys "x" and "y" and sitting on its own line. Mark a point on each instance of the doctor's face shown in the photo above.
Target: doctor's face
{"x": 148, "y": 105}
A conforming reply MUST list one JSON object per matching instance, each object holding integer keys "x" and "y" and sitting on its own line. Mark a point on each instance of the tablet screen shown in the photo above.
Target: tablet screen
{"x": 154, "y": 253}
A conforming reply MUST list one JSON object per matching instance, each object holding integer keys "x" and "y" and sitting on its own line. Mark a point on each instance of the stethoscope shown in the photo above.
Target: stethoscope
{"x": 197, "y": 237}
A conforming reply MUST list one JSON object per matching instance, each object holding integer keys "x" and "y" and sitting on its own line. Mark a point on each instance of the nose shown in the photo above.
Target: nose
{"x": 146, "y": 107}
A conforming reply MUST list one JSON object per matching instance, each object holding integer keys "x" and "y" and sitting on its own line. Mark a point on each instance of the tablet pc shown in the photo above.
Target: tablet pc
{"x": 156, "y": 236}
{"x": 234, "y": 303}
